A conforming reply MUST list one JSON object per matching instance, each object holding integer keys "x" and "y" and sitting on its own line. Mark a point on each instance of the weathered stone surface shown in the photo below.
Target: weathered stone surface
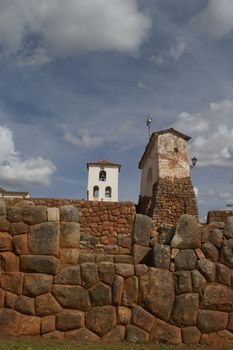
{"x": 142, "y": 319}
{"x": 140, "y": 269}
{"x": 117, "y": 290}
{"x": 12, "y": 282}
{"x": 223, "y": 274}
{"x": 29, "y": 325}
{"x": 124, "y": 315}
{"x": 218, "y": 340}
{"x": 226, "y": 253}
{"x": 207, "y": 269}
{"x": 125, "y": 259}
{"x": 36, "y": 284}
{"x": 48, "y": 324}
{"x": 160, "y": 256}
{"x": 70, "y": 235}
{"x": 90, "y": 275}
{"x": 69, "y": 256}
{"x": 166, "y": 233}
{"x": 34, "y": 214}
{"x": 5, "y": 241}
{"x": 228, "y": 230}
{"x": 9, "y": 262}
{"x": 211, "y": 321}
{"x": 14, "y": 214}
{"x": 4, "y": 225}
{"x": 124, "y": 270}
{"x": 217, "y": 297}
{"x": 216, "y": 238}
{"x": 69, "y": 213}
{"x": 46, "y": 305}
{"x": 86, "y": 257}
{"x": 25, "y": 305}
{"x": 130, "y": 291}
{"x": 230, "y": 322}
{"x": 198, "y": 281}
{"x": 82, "y": 335}
{"x": 54, "y": 335}
{"x": 210, "y": 251}
{"x": 10, "y": 300}
{"x": 187, "y": 235}
{"x": 163, "y": 332}
{"x": 73, "y": 297}
{"x": 101, "y": 319}
{"x": 116, "y": 334}
{"x": 156, "y": 292}
{"x": 141, "y": 254}
{"x": 174, "y": 253}
{"x": 68, "y": 275}
{"x": 2, "y": 207}
{"x": 191, "y": 335}
{"x": 136, "y": 335}
{"x": 20, "y": 244}
{"x": 185, "y": 309}
{"x": 44, "y": 239}
{"x": 107, "y": 272}
{"x": 141, "y": 229}
{"x": 9, "y": 321}
{"x": 70, "y": 319}
{"x": 39, "y": 263}
{"x": 18, "y": 228}
{"x": 2, "y": 297}
{"x": 101, "y": 294}
{"x": 53, "y": 214}
{"x": 185, "y": 260}
{"x": 200, "y": 254}
{"x": 183, "y": 282}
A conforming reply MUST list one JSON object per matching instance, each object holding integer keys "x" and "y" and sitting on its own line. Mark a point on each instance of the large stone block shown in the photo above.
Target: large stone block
{"x": 210, "y": 251}
{"x": 217, "y": 297}
{"x": 4, "y": 225}
{"x": 107, "y": 272}
{"x": 117, "y": 290}
{"x": 18, "y": 228}
{"x": 12, "y": 282}
{"x": 5, "y": 241}
{"x": 101, "y": 294}
{"x": 20, "y": 244}
{"x": 230, "y": 322}
{"x": 82, "y": 335}
{"x": 142, "y": 319}
{"x": 198, "y": 281}
{"x": 70, "y": 319}
{"x": 185, "y": 309}
{"x": 36, "y": 284}
{"x": 34, "y": 214}
{"x": 218, "y": 340}
{"x": 2, "y": 207}
{"x": 216, "y": 238}
{"x": 46, "y": 305}
{"x": 156, "y": 292}
{"x": 68, "y": 275}
{"x": 163, "y": 332}
{"x": 125, "y": 270}
{"x": 53, "y": 214}
{"x": 69, "y": 256}
{"x": 2, "y": 297}
{"x": 185, "y": 260}
{"x": 228, "y": 229}
{"x": 160, "y": 256}
{"x": 130, "y": 291}
{"x": 116, "y": 334}
{"x": 44, "y": 239}
{"x": 9, "y": 262}
{"x": 14, "y": 214}
{"x": 166, "y": 233}
{"x": 10, "y": 300}
{"x": 226, "y": 253}
{"x": 187, "y": 235}
{"x": 183, "y": 282}
{"x": 48, "y": 324}
{"x": 211, "y": 321}
{"x": 191, "y": 335}
{"x": 141, "y": 254}
{"x": 141, "y": 229}
{"x": 70, "y": 235}
{"x": 223, "y": 274}
{"x": 101, "y": 319}
{"x": 25, "y": 305}
{"x": 123, "y": 314}
{"x": 69, "y": 213}
{"x": 90, "y": 275}
{"x": 207, "y": 269}
{"x": 72, "y": 297}
{"x": 136, "y": 335}
{"x": 39, "y": 263}
{"x": 29, "y": 325}
{"x": 9, "y": 321}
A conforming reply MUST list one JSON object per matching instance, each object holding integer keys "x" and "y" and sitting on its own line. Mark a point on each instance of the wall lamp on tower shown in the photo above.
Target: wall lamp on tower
{"x": 148, "y": 123}
{"x": 194, "y": 162}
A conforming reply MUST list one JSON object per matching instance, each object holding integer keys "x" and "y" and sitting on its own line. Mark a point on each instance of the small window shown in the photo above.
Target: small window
{"x": 102, "y": 175}
{"x": 108, "y": 192}
{"x": 96, "y": 191}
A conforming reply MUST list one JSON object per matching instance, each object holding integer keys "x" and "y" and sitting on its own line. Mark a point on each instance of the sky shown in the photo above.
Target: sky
{"x": 79, "y": 77}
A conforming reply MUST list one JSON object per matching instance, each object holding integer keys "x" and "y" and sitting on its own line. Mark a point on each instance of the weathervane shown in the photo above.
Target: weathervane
{"x": 148, "y": 123}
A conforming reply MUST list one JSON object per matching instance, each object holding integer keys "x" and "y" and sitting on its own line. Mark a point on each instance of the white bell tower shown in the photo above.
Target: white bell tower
{"x": 103, "y": 181}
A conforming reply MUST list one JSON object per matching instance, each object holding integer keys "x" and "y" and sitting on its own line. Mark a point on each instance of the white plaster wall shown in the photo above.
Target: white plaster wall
{"x": 112, "y": 174}
{"x": 151, "y": 163}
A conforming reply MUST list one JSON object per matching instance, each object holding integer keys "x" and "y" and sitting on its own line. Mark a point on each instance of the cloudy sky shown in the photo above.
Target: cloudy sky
{"x": 78, "y": 77}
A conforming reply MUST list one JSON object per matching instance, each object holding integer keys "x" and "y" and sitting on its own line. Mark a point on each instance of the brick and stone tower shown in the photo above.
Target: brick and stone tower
{"x": 166, "y": 188}
{"x": 103, "y": 181}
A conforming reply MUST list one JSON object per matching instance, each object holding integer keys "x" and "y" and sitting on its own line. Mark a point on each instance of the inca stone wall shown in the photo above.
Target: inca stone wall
{"x": 218, "y": 215}
{"x": 176, "y": 286}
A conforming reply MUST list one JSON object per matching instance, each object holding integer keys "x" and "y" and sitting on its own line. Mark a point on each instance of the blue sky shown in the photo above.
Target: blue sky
{"x": 78, "y": 78}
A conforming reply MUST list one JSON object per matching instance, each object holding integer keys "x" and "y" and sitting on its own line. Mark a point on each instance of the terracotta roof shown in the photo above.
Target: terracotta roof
{"x": 153, "y": 138}
{"x": 104, "y": 162}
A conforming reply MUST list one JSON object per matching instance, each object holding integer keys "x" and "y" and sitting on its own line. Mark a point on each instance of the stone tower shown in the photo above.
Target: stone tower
{"x": 166, "y": 189}
{"x": 103, "y": 181}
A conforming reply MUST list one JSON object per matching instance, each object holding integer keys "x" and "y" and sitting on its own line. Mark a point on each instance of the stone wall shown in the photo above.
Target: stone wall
{"x": 104, "y": 226}
{"x": 218, "y": 215}
{"x": 176, "y": 287}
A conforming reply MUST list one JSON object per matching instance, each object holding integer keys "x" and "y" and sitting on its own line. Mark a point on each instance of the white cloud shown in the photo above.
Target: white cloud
{"x": 83, "y": 139}
{"x": 215, "y": 20}
{"x": 16, "y": 172}
{"x": 52, "y": 28}
{"x": 175, "y": 52}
